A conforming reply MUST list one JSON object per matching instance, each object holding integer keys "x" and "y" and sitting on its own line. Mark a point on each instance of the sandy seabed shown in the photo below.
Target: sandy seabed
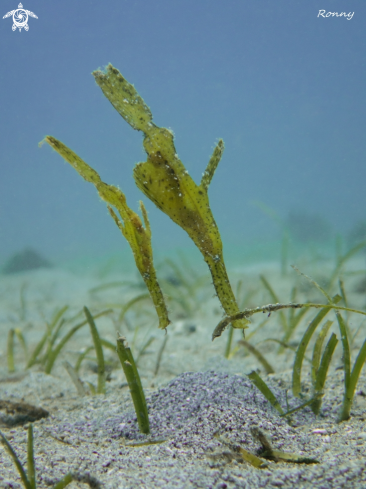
{"x": 196, "y": 394}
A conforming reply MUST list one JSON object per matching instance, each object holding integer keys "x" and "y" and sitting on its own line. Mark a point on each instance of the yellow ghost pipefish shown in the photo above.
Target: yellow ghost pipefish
{"x": 164, "y": 180}
{"x": 138, "y": 236}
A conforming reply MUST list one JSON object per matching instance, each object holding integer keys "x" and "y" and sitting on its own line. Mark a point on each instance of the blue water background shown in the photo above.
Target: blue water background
{"x": 283, "y": 88}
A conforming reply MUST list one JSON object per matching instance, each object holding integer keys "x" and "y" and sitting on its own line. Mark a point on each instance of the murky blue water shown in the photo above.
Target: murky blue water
{"x": 283, "y": 86}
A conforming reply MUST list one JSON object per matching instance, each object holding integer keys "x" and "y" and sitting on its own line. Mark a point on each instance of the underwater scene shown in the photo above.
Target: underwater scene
{"x": 183, "y": 244}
